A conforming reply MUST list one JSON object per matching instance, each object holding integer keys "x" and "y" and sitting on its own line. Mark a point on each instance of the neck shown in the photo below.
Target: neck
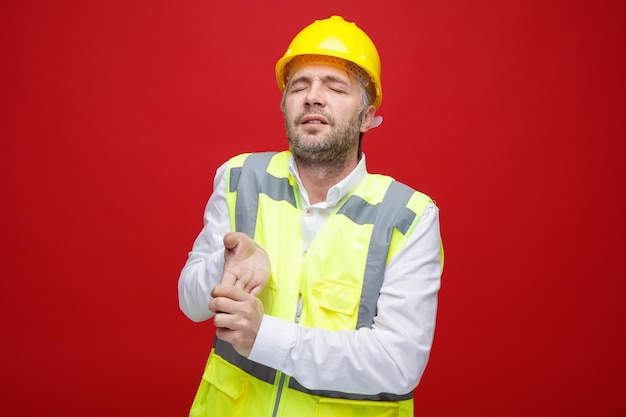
{"x": 318, "y": 179}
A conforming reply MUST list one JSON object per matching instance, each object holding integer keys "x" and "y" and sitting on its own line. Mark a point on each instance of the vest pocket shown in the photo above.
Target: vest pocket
{"x": 222, "y": 389}
{"x": 340, "y": 296}
{"x": 226, "y": 377}
{"x": 334, "y": 407}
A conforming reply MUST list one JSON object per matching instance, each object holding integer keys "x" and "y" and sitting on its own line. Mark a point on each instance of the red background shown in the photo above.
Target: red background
{"x": 115, "y": 114}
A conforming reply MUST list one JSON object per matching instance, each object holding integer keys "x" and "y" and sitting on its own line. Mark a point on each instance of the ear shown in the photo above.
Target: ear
{"x": 369, "y": 119}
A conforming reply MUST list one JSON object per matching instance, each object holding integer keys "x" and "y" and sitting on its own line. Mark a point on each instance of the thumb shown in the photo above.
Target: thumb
{"x": 231, "y": 240}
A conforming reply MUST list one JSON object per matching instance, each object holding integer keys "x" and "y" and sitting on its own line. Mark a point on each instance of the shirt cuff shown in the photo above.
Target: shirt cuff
{"x": 273, "y": 342}
{"x": 215, "y": 269}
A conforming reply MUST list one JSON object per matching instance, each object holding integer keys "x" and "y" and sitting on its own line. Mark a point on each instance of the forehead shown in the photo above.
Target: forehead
{"x": 321, "y": 70}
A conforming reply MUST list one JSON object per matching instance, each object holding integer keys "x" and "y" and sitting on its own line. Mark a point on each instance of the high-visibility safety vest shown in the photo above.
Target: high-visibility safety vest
{"x": 339, "y": 279}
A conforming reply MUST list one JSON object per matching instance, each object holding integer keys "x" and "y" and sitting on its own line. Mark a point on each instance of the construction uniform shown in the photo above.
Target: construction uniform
{"x": 335, "y": 286}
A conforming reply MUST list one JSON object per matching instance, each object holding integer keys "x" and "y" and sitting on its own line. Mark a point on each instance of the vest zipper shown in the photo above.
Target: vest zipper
{"x": 282, "y": 383}
{"x": 283, "y": 380}
{"x": 299, "y": 309}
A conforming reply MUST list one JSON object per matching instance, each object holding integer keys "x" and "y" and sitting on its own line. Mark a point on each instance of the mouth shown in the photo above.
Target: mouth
{"x": 314, "y": 119}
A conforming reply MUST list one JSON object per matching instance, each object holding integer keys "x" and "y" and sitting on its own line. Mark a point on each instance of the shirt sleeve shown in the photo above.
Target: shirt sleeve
{"x": 390, "y": 357}
{"x": 205, "y": 263}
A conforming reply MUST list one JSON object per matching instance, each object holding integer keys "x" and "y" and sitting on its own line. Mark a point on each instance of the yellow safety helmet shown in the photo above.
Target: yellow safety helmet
{"x": 334, "y": 37}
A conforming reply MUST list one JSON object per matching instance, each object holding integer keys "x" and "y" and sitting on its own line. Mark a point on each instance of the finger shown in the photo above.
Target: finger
{"x": 250, "y": 285}
{"x": 236, "y": 274}
{"x": 228, "y": 291}
{"x": 220, "y": 305}
{"x": 224, "y": 321}
{"x": 238, "y": 245}
{"x": 231, "y": 240}
{"x": 228, "y": 278}
{"x": 256, "y": 290}
{"x": 244, "y": 278}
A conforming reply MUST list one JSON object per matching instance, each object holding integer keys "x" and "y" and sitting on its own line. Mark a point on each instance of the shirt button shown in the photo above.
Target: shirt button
{"x": 308, "y": 212}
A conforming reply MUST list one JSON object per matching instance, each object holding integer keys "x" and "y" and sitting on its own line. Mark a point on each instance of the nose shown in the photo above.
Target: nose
{"x": 315, "y": 95}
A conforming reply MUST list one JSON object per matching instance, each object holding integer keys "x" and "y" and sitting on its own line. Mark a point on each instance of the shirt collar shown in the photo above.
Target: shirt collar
{"x": 337, "y": 191}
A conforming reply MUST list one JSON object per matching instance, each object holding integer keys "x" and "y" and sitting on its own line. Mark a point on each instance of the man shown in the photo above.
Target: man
{"x": 322, "y": 279}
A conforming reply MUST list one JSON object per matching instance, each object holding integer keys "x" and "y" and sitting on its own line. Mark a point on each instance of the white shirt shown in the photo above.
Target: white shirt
{"x": 390, "y": 357}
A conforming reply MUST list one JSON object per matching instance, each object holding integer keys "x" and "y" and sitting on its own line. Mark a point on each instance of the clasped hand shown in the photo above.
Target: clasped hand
{"x": 238, "y": 311}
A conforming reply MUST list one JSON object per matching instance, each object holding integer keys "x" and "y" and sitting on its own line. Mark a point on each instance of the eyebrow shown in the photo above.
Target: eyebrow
{"x": 325, "y": 79}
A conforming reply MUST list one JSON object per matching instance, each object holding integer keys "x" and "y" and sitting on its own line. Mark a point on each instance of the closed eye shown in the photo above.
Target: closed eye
{"x": 299, "y": 84}
{"x": 337, "y": 89}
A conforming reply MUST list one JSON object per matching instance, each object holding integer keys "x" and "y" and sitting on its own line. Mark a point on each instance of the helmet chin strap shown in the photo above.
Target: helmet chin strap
{"x": 377, "y": 121}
